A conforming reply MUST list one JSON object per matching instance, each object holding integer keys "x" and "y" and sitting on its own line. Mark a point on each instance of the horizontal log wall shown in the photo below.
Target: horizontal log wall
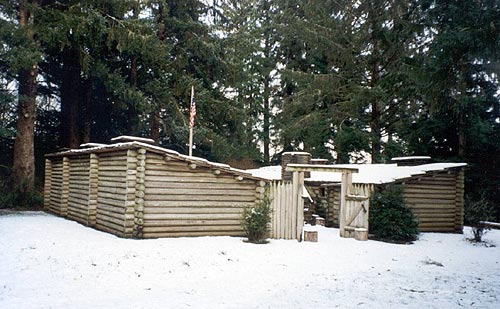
{"x": 78, "y": 191}
{"x": 111, "y": 214}
{"x": 54, "y": 186}
{"x": 459, "y": 200}
{"x": 436, "y": 200}
{"x": 182, "y": 199}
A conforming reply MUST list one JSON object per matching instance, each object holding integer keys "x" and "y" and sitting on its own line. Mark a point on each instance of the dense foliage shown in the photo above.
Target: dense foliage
{"x": 476, "y": 212}
{"x": 255, "y": 221}
{"x": 390, "y": 219}
{"x": 346, "y": 80}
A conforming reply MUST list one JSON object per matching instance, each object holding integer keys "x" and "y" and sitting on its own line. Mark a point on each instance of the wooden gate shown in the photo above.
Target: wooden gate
{"x": 354, "y": 208}
{"x": 287, "y": 208}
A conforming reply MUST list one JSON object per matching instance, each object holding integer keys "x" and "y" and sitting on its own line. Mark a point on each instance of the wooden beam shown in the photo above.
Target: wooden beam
{"x": 320, "y": 168}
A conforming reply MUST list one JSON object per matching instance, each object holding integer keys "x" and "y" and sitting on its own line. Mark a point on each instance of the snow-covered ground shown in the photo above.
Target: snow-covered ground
{"x": 49, "y": 262}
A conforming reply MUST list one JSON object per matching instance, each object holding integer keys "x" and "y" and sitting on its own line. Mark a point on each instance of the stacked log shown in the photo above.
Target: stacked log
{"x": 182, "y": 199}
{"x": 78, "y": 189}
{"x": 436, "y": 200}
{"x": 48, "y": 184}
{"x": 65, "y": 187}
{"x": 133, "y": 193}
{"x": 55, "y": 183}
{"x": 139, "y": 193}
{"x": 112, "y": 193}
{"x": 93, "y": 188}
{"x": 459, "y": 202}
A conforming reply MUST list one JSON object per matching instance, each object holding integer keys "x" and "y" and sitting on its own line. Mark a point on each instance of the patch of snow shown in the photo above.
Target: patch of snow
{"x": 267, "y": 172}
{"x": 50, "y": 262}
{"x": 91, "y": 145}
{"x": 367, "y": 173}
{"x": 411, "y": 158}
{"x": 126, "y": 138}
{"x": 172, "y": 153}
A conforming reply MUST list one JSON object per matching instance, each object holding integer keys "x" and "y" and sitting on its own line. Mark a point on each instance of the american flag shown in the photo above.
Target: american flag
{"x": 192, "y": 113}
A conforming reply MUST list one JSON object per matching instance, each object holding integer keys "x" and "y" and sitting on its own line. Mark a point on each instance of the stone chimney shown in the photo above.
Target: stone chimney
{"x": 294, "y": 158}
{"x": 411, "y": 161}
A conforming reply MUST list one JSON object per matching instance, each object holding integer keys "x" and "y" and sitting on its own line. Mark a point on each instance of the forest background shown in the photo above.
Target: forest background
{"x": 344, "y": 80}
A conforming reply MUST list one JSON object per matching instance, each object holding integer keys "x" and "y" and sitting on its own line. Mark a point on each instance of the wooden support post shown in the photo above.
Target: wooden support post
{"x": 93, "y": 188}
{"x": 129, "y": 228}
{"x": 300, "y": 206}
{"x": 311, "y": 236}
{"x": 459, "y": 202}
{"x": 361, "y": 234}
{"x": 139, "y": 194}
{"x": 65, "y": 187}
{"x": 294, "y": 207}
{"x": 48, "y": 184}
{"x": 344, "y": 191}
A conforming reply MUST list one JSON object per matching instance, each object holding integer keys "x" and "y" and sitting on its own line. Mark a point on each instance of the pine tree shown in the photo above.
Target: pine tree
{"x": 26, "y": 55}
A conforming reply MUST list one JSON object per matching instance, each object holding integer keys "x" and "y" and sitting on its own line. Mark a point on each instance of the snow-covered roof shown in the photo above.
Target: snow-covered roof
{"x": 170, "y": 153}
{"x": 411, "y": 158}
{"x": 126, "y": 138}
{"x": 368, "y": 173}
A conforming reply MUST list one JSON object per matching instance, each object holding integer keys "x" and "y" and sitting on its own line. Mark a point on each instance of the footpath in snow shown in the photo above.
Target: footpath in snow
{"x": 50, "y": 262}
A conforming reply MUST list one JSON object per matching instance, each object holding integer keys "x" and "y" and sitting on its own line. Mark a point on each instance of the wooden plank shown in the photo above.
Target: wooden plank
{"x": 294, "y": 207}
{"x": 430, "y": 189}
{"x": 231, "y": 185}
{"x": 110, "y": 207}
{"x": 103, "y": 215}
{"x": 198, "y": 210}
{"x": 151, "y": 205}
{"x": 300, "y": 209}
{"x": 47, "y": 183}
{"x": 192, "y": 234}
{"x": 190, "y": 180}
{"x": 112, "y": 168}
{"x": 188, "y": 216}
{"x": 78, "y": 185}
{"x": 106, "y": 201}
{"x": 430, "y": 201}
{"x": 76, "y": 202}
{"x": 116, "y": 179}
{"x": 204, "y": 192}
{"x": 236, "y": 198}
{"x": 109, "y": 227}
{"x": 191, "y": 228}
{"x": 113, "y": 190}
{"x": 448, "y": 211}
{"x": 110, "y": 196}
{"x": 181, "y": 223}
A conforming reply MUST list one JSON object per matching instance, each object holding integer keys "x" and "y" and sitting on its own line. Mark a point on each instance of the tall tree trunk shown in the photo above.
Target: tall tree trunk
{"x": 70, "y": 97}
{"x": 23, "y": 168}
{"x": 375, "y": 121}
{"x": 461, "y": 134}
{"x": 87, "y": 109}
{"x": 376, "y": 133}
{"x": 132, "y": 115}
{"x": 267, "y": 89}
{"x": 266, "y": 124}
{"x": 155, "y": 127}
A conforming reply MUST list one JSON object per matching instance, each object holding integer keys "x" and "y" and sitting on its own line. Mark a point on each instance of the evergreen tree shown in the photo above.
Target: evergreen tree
{"x": 22, "y": 58}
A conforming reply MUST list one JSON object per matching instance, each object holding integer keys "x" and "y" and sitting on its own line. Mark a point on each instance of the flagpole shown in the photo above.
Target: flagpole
{"x": 190, "y": 127}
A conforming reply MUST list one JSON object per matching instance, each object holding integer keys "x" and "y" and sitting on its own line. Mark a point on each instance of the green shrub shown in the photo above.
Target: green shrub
{"x": 255, "y": 221}
{"x": 20, "y": 197}
{"x": 476, "y": 211}
{"x": 389, "y": 218}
